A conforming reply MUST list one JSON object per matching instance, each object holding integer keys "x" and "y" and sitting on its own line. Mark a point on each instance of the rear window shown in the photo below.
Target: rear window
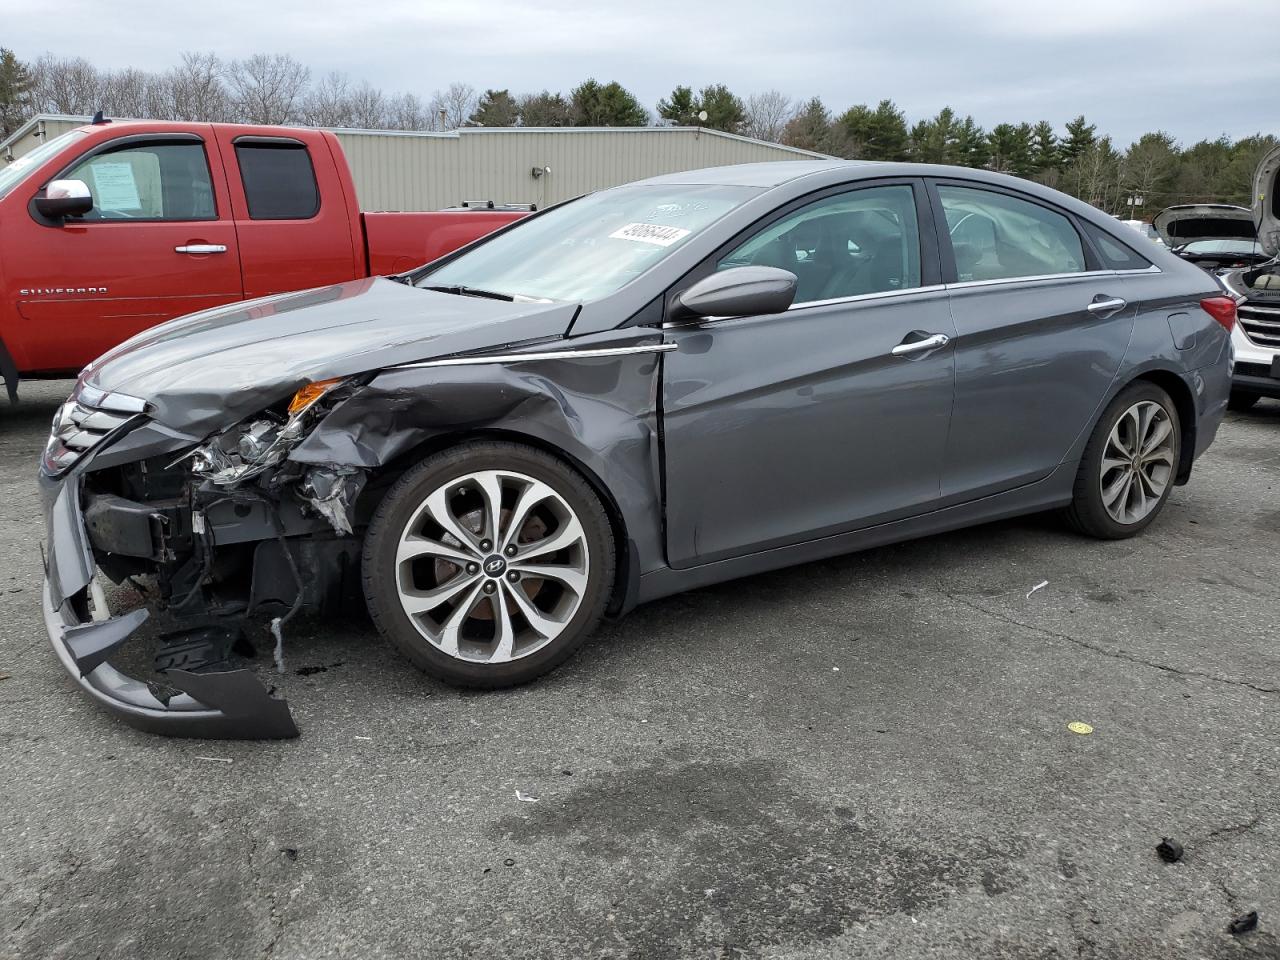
{"x": 279, "y": 181}
{"x": 1114, "y": 254}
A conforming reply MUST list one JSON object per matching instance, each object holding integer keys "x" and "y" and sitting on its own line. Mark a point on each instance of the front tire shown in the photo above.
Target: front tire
{"x": 489, "y": 564}
{"x": 1129, "y": 464}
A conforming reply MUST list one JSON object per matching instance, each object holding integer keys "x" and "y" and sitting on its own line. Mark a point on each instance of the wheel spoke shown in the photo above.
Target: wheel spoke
{"x": 571, "y": 577}
{"x": 541, "y": 623}
{"x": 1139, "y": 491}
{"x": 420, "y": 601}
{"x": 414, "y": 546}
{"x": 1157, "y": 435}
{"x": 438, "y": 507}
{"x": 1163, "y": 455}
{"x": 490, "y": 484}
{"x": 532, "y": 495}
{"x": 1113, "y": 496}
{"x": 570, "y": 532}
{"x": 451, "y": 629}
{"x": 1113, "y": 463}
{"x": 504, "y": 632}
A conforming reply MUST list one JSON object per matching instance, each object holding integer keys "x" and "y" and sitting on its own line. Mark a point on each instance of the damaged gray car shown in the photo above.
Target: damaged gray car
{"x": 646, "y": 390}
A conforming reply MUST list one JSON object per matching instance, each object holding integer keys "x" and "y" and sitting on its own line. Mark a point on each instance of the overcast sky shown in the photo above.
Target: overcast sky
{"x": 1191, "y": 67}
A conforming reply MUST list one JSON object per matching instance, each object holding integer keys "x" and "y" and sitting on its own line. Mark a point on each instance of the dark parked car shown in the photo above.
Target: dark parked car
{"x": 652, "y": 388}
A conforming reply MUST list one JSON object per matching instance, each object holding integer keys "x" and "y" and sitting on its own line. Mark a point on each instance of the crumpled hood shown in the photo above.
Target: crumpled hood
{"x": 211, "y": 369}
{"x": 1202, "y": 221}
{"x": 1266, "y": 202}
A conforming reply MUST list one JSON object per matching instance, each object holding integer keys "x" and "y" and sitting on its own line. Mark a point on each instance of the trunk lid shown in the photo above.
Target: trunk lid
{"x": 1266, "y": 202}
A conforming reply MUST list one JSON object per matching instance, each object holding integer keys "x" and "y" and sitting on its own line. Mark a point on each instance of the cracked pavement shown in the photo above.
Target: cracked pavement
{"x": 863, "y": 757}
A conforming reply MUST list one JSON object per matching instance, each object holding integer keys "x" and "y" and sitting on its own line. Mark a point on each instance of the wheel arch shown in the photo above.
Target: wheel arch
{"x": 1184, "y": 402}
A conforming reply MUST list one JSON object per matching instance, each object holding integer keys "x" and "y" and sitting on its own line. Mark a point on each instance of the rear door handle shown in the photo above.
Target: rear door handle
{"x": 1105, "y": 306}
{"x": 199, "y": 248}
{"x": 920, "y": 346}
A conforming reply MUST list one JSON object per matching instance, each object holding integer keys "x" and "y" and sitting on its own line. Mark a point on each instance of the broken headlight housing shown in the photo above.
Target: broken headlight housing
{"x": 85, "y": 420}
{"x": 259, "y": 443}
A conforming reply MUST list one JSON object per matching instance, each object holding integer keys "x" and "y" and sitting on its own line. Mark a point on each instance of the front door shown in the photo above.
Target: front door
{"x": 158, "y": 243}
{"x": 828, "y": 417}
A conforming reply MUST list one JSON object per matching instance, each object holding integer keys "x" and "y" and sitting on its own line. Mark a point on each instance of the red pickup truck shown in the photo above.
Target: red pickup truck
{"x": 116, "y": 226}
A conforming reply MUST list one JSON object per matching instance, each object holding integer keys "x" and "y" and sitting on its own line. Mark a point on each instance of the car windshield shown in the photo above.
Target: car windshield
{"x": 1240, "y": 247}
{"x": 591, "y": 247}
{"x": 16, "y": 172}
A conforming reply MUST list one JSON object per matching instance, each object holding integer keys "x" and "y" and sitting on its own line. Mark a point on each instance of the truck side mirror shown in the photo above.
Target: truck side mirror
{"x": 65, "y": 198}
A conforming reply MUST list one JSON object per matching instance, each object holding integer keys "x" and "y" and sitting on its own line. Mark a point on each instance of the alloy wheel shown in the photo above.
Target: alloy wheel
{"x": 1138, "y": 462}
{"x": 492, "y": 566}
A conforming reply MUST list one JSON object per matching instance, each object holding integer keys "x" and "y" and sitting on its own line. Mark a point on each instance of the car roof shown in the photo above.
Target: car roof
{"x": 771, "y": 173}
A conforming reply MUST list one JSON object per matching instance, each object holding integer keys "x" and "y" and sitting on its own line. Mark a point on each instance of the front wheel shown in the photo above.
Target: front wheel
{"x": 1129, "y": 464}
{"x": 488, "y": 565}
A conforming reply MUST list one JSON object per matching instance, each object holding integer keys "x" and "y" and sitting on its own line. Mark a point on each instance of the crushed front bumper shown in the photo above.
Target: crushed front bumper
{"x": 232, "y": 704}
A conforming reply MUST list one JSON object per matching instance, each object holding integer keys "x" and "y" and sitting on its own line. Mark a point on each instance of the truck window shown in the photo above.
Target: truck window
{"x": 148, "y": 181}
{"x": 279, "y": 181}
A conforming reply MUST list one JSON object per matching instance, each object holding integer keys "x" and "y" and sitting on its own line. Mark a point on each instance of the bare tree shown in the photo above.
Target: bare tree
{"x": 268, "y": 88}
{"x": 368, "y": 108}
{"x": 328, "y": 104}
{"x": 408, "y": 112}
{"x": 767, "y": 115}
{"x": 70, "y": 85}
{"x": 196, "y": 90}
{"x": 453, "y": 106}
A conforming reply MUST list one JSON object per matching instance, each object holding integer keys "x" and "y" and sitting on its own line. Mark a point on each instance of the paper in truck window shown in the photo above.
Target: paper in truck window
{"x": 657, "y": 234}
{"x": 115, "y": 187}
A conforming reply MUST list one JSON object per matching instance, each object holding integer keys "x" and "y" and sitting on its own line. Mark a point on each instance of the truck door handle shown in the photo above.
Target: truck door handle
{"x": 1105, "y": 306}
{"x": 199, "y": 248}
{"x": 919, "y": 346}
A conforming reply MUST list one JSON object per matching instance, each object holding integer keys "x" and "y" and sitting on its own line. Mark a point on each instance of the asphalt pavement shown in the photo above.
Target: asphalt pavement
{"x": 868, "y": 756}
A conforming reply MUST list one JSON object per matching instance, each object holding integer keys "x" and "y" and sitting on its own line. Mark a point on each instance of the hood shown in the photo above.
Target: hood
{"x": 210, "y": 369}
{"x": 1203, "y": 221}
{"x": 1266, "y": 202}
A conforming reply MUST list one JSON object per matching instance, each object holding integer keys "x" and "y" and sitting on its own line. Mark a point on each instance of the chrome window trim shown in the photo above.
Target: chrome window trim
{"x": 582, "y": 354}
{"x": 1038, "y": 278}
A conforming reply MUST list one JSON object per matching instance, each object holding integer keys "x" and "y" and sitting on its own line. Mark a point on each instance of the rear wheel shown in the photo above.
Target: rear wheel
{"x": 1129, "y": 464}
{"x": 488, "y": 565}
{"x": 1241, "y": 401}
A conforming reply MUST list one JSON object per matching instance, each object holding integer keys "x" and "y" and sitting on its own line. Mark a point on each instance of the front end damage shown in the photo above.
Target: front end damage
{"x": 216, "y": 538}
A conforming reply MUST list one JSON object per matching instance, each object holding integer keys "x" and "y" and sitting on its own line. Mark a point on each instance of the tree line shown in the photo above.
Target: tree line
{"x": 278, "y": 89}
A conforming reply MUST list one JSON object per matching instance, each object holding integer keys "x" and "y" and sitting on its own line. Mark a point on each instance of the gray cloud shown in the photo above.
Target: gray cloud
{"x": 1129, "y": 65}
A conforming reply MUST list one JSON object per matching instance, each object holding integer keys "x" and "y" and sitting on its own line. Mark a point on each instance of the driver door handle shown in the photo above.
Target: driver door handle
{"x": 200, "y": 248}
{"x": 919, "y": 346}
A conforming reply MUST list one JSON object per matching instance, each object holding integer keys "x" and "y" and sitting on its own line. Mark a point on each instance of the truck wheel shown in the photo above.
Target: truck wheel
{"x": 489, "y": 564}
{"x": 1129, "y": 464}
{"x": 1241, "y": 401}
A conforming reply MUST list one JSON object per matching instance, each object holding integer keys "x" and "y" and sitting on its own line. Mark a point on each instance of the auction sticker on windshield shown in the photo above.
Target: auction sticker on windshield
{"x": 654, "y": 233}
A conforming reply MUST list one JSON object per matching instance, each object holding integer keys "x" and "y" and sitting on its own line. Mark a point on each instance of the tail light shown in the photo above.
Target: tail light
{"x": 1222, "y": 309}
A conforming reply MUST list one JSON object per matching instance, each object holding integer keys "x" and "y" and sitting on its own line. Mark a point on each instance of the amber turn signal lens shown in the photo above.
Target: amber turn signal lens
{"x": 310, "y": 394}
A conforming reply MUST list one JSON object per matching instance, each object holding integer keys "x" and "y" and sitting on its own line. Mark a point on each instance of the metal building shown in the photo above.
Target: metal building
{"x": 398, "y": 170}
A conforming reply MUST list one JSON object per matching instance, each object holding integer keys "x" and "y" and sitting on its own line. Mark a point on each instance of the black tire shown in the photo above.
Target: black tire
{"x": 1242, "y": 401}
{"x": 1087, "y": 514}
{"x": 398, "y": 506}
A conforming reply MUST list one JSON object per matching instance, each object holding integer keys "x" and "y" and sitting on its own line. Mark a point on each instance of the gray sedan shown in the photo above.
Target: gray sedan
{"x": 645, "y": 390}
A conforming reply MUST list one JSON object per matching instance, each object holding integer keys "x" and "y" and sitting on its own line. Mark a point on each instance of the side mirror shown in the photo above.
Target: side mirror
{"x": 65, "y": 198}
{"x": 740, "y": 292}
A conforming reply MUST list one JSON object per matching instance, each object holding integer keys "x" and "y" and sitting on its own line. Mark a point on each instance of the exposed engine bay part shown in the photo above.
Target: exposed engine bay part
{"x": 331, "y": 492}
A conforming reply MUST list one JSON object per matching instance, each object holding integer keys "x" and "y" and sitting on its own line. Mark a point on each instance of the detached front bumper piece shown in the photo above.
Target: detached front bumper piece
{"x": 228, "y": 705}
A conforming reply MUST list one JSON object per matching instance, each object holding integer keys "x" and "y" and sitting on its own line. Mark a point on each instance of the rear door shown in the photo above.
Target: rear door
{"x": 291, "y": 212}
{"x": 1042, "y": 328}
{"x": 158, "y": 243}
{"x": 827, "y": 417}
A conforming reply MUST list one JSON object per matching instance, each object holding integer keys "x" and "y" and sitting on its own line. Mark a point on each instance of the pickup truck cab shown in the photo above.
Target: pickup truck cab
{"x": 116, "y": 226}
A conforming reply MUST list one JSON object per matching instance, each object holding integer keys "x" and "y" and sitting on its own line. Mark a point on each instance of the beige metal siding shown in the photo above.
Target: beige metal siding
{"x": 430, "y": 171}
{"x": 46, "y": 129}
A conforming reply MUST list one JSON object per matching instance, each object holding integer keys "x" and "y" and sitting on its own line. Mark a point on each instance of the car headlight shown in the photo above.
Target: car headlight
{"x": 255, "y": 445}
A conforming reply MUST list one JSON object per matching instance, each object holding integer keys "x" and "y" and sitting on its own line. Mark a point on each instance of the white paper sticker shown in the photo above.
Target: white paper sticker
{"x": 115, "y": 186}
{"x": 658, "y": 234}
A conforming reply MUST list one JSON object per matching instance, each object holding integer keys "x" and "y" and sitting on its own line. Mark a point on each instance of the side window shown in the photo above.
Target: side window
{"x": 149, "y": 181}
{"x": 995, "y": 236}
{"x": 863, "y": 241}
{"x": 279, "y": 181}
{"x": 1115, "y": 254}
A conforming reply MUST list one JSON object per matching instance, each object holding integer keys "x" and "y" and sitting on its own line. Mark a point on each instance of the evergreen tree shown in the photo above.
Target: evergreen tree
{"x": 724, "y": 110}
{"x": 1044, "y": 147}
{"x": 15, "y": 86}
{"x": 1080, "y": 137}
{"x": 497, "y": 108}
{"x": 595, "y": 104}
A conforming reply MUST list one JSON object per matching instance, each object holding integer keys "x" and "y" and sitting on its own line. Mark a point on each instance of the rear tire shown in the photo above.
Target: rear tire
{"x": 489, "y": 564}
{"x": 1242, "y": 401}
{"x": 1129, "y": 464}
